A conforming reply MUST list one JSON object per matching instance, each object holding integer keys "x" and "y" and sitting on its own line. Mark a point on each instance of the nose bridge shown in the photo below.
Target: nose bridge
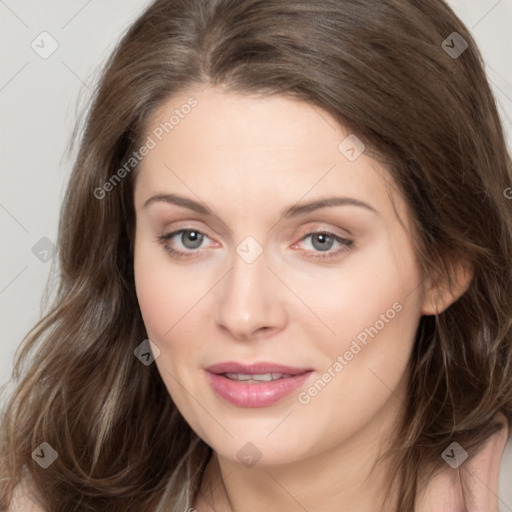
{"x": 249, "y": 298}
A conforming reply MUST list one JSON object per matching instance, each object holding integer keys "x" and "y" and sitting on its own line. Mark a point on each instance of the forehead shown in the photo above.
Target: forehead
{"x": 271, "y": 125}
{"x": 239, "y": 149}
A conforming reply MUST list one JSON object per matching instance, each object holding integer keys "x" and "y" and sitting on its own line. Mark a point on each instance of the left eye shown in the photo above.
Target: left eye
{"x": 322, "y": 242}
{"x": 192, "y": 239}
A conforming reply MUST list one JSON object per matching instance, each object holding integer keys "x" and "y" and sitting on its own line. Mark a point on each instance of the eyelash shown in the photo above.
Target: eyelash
{"x": 346, "y": 244}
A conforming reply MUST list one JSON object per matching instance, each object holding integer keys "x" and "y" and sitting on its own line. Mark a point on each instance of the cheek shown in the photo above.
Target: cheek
{"x": 163, "y": 290}
{"x": 374, "y": 307}
{"x": 173, "y": 303}
{"x": 164, "y": 311}
{"x": 364, "y": 292}
{"x": 155, "y": 287}
{"x": 365, "y": 364}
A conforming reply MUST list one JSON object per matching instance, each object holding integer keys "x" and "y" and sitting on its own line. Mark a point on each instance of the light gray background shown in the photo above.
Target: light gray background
{"x": 38, "y": 102}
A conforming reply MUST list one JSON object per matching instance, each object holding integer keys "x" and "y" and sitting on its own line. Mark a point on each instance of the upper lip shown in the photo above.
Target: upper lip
{"x": 257, "y": 368}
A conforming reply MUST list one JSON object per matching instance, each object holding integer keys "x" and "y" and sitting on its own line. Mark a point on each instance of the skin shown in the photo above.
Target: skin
{"x": 248, "y": 159}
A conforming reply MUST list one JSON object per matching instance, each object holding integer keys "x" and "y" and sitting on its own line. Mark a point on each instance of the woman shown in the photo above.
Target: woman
{"x": 285, "y": 272}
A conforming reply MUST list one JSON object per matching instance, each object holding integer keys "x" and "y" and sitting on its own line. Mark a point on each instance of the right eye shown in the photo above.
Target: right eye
{"x": 190, "y": 239}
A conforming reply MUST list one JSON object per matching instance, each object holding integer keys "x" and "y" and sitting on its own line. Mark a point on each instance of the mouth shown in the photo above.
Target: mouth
{"x": 257, "y": 384}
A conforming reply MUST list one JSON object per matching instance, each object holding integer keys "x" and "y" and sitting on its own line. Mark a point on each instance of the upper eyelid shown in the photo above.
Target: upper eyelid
{"x": 345, "y": 232}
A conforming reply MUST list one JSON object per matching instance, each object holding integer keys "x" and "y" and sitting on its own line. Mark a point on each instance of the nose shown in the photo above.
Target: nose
{"x": 250, "y": 300}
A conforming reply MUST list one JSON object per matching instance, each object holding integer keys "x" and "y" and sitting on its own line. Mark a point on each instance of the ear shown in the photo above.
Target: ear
{"x": 439, "y": 295}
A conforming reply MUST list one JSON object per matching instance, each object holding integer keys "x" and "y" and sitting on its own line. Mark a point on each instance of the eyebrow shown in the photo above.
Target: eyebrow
{"x": 292, "y": 211}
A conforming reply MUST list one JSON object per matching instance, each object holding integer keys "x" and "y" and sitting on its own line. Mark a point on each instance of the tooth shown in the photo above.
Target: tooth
{"x": 265, "y": 377}
{"x": 238, "y": 376}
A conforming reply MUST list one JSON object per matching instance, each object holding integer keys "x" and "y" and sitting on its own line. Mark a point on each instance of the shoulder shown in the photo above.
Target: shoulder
{"x": 486, "y": 475}
{"x": 23, "y": 500}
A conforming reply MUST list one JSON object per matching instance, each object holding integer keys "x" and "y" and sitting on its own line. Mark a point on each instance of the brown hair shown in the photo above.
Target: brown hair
{"x": 381, "y": 70}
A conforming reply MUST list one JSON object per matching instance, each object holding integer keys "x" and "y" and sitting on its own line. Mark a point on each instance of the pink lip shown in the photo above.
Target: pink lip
{"x": 243, "y": 394}
{"x": 254, "y": 368}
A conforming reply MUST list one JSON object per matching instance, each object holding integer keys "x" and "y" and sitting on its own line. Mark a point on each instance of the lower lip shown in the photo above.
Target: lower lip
{"x": 255, "y": 394}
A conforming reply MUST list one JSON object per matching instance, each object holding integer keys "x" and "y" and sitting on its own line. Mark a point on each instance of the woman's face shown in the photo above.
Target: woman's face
{"x": 251, "y": 282}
